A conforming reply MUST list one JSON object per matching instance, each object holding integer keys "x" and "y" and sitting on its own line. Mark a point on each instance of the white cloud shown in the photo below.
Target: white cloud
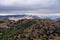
{"x": 36, "y": 5}
{"x": 43, "y": 14}
{"x": 36, "y": 14}
{"x": 4, "y": 14}
{"x": 27, "y": 2}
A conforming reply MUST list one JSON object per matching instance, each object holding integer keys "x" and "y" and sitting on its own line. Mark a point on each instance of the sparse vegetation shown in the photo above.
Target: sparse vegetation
{"x": 1, "y": 21}
{"x": 32, "y": 29}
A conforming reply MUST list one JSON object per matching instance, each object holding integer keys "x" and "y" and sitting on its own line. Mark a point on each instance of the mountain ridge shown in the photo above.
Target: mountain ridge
{"x": 31, "y": 17}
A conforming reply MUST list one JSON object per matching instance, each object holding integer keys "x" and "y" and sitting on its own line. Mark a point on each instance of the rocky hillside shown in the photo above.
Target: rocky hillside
{"x": 32, "y": 29}
{"x": 4, "y": 23}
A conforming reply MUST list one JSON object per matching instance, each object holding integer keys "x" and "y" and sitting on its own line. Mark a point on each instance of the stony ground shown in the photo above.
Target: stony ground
{"x": 32, "y": 29}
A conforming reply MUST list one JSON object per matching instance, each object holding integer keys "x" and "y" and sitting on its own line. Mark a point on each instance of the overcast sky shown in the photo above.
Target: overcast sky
{"x": 37, "y": 6}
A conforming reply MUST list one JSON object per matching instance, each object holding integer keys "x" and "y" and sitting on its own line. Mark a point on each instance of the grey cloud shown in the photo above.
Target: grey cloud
{"x": 34, "y": 7}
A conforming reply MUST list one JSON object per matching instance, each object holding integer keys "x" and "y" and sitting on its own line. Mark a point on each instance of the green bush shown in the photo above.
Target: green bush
{"x": 1, "y": 21}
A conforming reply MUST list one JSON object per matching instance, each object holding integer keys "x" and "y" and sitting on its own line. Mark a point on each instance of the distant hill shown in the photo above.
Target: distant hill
{"x": 17, "y": 17}
{"x": 8, "y": 16}
{"x": 58, "y": 19}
